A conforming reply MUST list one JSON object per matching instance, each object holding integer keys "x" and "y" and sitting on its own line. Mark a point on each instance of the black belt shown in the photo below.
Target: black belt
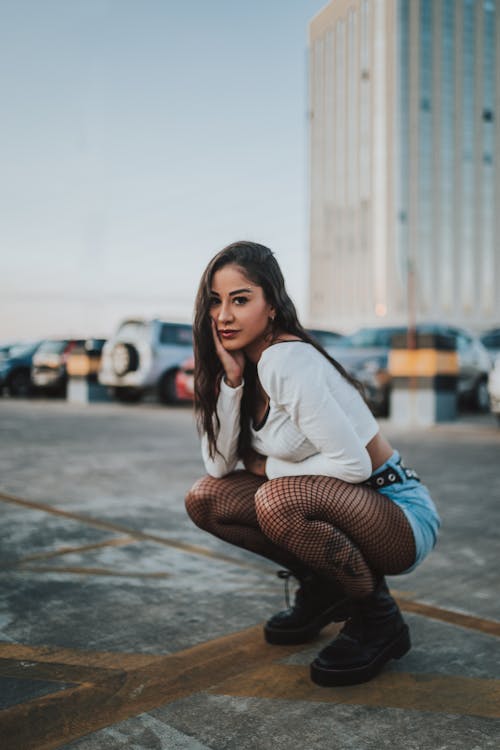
{"x": 391, "y": 476}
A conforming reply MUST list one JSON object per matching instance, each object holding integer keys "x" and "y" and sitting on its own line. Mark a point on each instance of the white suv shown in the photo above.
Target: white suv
{"x": 144, "y": 355}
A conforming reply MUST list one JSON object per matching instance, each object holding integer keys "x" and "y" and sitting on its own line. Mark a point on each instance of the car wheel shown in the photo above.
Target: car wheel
{"x": 481, "y": 398}
{"x": 19, "y": 383}
{"x": 127, "y": 395}
{"x": 125, "y": 358}
{"x": 167, "y": 392}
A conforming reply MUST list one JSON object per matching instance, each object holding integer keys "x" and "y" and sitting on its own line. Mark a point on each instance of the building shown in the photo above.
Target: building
{"x": 404, "y": 163}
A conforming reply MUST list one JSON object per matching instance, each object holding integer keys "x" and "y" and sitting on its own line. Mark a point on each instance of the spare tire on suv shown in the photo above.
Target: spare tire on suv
{"x": 125, "y": 358}
{"x": 144, "y": 356}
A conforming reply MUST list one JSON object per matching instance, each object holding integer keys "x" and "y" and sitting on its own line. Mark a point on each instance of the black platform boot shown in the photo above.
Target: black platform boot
{"x": 317, "y": 603}
{"x": 375, "y": 633}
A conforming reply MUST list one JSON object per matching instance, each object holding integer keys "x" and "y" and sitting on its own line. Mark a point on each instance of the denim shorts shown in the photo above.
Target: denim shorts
{"x": 402, "y": 485}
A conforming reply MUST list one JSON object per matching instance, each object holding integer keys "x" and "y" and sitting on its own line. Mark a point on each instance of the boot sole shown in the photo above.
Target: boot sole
{"x": 326, "y": 677}
{"x": 295, "y": 636}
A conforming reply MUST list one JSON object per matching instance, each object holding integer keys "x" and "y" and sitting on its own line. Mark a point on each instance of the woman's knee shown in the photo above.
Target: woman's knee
{"x": 272, "y": 507}
{"x": 198, "y": 500}
{"x": 194, "y": 507}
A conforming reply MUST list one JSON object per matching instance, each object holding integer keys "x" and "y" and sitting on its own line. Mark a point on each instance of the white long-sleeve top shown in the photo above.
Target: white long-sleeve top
{"x": 317, "y": 422}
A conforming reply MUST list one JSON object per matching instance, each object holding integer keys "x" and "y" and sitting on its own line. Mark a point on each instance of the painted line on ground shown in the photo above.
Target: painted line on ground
{"x": 107, "y": 696}
{"x": 193, "y": 549}
{"x": 110, "y": 687}
{"x": 435, "y": 693}
{"x": 81, "y": 571}
{"x": 491, "y": 627}
{"x": 115, "y": 542}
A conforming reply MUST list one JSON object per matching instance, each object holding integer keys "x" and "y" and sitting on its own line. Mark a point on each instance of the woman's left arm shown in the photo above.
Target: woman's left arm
{"x": 306, "y": 392}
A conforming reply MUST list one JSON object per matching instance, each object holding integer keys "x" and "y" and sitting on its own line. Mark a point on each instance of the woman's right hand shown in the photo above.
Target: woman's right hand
{"x": 232, "y": 362}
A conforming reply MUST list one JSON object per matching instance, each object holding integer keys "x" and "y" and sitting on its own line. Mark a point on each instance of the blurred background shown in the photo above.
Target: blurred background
{"x": 137, "y": 139}
{"x": 359, "y": 140}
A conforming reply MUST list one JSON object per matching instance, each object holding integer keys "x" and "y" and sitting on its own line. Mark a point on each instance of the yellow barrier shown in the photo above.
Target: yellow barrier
{"x": 425, "y": 363}
{"x": 81, "y": 365}
{"x": 423, "y": 379}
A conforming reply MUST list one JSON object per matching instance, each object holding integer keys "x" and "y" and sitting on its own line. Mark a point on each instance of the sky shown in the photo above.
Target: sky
{"x": 138, "y": 137}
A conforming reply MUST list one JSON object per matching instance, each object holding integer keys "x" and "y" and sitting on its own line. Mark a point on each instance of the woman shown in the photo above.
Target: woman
{"x": 322, "y": 492}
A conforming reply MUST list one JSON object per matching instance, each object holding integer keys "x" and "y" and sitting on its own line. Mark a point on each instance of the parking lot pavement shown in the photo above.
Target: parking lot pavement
{"x": 124, "y": 626}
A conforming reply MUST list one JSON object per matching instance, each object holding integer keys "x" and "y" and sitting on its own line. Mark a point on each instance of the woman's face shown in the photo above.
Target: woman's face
{"x": 240, "y": 311}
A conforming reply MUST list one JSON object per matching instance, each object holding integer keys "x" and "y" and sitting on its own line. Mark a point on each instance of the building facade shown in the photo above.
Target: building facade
{"x": 404, "y": 163}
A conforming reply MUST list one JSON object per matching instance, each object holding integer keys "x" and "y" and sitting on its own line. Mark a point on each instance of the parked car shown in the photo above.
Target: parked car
{"x": 494, "y": 388}
{"x": 15, "y": 369}
{"x": 491, "y": 340}
{"x": 184, "y": 380}
{"x": 4, "y": 351}
{"x": 324, "y": 338}
{"x": 94, "y": 347}
{"x": 365, "y": 355}
{"x": 49, "y": 366}
{"x": 144, "y": 356}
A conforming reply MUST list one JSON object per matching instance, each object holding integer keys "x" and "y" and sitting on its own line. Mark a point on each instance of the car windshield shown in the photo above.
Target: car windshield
{"x": 53, "y": 347}
{"x": 22, "y": 350}
{"x": 325, "y": 338}
{"x": 176, "y": 334}
{"x": 369, "y": 338}
{"x": 491, "y": 340}
{"x": 94, "y": 345}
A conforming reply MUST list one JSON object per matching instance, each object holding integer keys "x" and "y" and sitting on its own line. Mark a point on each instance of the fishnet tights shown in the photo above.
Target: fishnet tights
{"x": 226, "y": 508}
{"x": 349, "y": 533}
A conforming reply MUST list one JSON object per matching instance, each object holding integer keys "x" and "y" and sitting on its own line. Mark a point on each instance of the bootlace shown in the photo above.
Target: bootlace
{"x": 353, "y": 628}
{"x": 285, "y": 575}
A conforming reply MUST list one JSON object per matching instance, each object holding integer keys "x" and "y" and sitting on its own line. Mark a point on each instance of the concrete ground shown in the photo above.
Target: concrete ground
{"x": 124, "y": 626}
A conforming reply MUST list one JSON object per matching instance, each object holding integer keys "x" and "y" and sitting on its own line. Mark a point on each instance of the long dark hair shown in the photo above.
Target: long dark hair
{"x": 261, "y": 268}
